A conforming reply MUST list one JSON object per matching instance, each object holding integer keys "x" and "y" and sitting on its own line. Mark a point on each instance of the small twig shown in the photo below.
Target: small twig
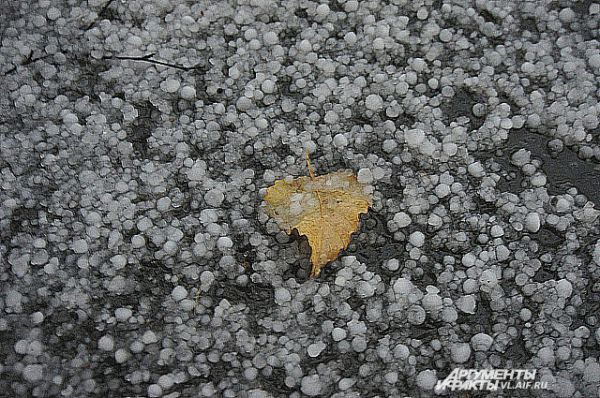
{"x": 11, "y": 70}
{"x": 28, "y": 60}
{"x": 148, "y": 58}
{"x": 31, "y": 60}
{"x": 102, "y": 11}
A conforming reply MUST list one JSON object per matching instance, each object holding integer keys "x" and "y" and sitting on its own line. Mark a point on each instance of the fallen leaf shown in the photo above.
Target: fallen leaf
{"x": 326, "y": 209}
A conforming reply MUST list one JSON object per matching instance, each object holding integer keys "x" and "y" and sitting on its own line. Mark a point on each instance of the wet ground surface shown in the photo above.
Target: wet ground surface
{"x": 564, "y": 169}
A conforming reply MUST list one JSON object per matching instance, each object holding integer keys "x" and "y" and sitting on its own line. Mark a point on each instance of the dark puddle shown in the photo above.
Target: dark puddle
{"x": 563, "y": 170}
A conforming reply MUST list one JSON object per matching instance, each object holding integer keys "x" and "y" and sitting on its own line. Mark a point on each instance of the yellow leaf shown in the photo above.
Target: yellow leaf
{"x": 326, "y": 209}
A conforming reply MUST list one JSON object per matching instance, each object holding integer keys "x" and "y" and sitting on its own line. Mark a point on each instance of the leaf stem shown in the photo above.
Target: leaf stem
{"x": 311, "y": 171}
